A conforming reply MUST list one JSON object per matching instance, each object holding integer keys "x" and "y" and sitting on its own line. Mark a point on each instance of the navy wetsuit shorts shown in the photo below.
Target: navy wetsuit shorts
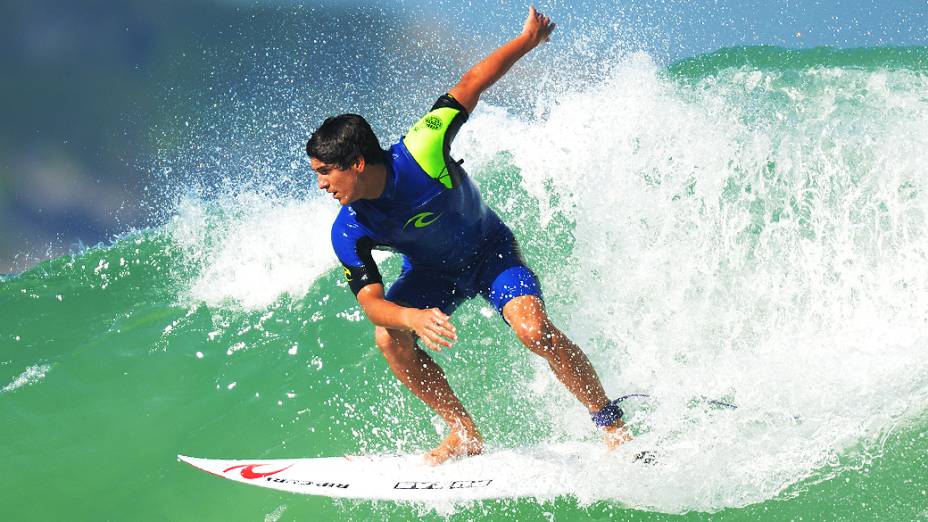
{"x": 499, "y": 274}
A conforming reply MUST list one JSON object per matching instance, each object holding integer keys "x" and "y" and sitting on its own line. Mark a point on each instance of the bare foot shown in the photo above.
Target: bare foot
{"x": 456, "y": 444}
{"x": 616, "y": 435}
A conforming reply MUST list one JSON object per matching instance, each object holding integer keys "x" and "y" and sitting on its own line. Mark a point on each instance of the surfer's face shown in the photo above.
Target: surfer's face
{"x": 341, "y": 183}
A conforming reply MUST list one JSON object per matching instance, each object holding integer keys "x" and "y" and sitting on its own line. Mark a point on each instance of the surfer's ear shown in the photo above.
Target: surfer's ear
{"x": 359, "y": 164}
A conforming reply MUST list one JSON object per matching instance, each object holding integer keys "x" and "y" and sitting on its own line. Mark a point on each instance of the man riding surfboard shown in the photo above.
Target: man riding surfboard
{"x": 415, "y": 199}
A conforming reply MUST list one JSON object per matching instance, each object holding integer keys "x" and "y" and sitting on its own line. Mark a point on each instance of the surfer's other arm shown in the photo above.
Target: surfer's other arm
{"x": 433, "y": 327}
{"x": 537, "y": 29}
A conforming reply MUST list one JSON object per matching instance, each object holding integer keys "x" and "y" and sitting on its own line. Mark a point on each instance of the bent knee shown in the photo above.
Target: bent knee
{"x": 382, "y": 337}
{"x": 393, "y": 343}
{"x": 535, "y": 334}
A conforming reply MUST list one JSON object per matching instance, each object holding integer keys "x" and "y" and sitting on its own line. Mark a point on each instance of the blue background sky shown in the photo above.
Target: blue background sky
{"x": 94, "y": 95}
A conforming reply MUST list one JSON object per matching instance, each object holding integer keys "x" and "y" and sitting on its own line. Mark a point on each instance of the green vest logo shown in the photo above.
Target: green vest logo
{"x": 433, "y": 122}
{"x": 419, "y": 220}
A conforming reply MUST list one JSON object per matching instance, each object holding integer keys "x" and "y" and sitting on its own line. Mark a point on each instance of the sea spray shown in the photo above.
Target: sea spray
{"x": 752, "y": 232}
{"x": 248, "y": 248}
{"x": 756, "y": 234}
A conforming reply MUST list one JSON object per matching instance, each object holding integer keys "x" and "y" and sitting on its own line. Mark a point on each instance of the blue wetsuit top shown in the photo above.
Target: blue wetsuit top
{"x": 430, "y": 210}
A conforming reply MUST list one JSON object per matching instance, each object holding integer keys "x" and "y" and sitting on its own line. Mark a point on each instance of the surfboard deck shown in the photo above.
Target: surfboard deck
{"x": 543, "y": 471}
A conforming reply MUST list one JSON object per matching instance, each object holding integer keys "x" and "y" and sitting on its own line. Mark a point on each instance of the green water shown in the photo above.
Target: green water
{"x": 115, "y": 360}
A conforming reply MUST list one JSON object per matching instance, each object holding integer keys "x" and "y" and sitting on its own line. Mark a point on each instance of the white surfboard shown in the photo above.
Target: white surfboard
{"x": 544, "y": 472}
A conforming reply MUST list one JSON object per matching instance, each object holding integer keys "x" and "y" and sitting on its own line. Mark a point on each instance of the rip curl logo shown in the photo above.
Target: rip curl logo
{"x": 347, "y": 274}
{"x": 248, "y": 471}
{"x": 419, "y": 220}
{"x": 433, "y": 122}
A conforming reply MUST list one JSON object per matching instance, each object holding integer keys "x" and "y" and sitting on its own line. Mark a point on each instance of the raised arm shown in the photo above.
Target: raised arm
{"x": 537, "y": 29}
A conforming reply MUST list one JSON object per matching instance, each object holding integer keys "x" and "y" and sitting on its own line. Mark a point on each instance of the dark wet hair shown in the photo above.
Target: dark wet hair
{"x": 340, "y": 140}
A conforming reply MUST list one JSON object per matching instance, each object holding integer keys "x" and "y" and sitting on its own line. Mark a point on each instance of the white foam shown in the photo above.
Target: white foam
{"x": 32, "y": 375}
{"x": 248, "y": 249}
{"x": 730, "y": 244}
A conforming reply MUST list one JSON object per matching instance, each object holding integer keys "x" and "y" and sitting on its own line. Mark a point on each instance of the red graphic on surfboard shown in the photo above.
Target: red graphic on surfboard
{"x": 248, "y": 471}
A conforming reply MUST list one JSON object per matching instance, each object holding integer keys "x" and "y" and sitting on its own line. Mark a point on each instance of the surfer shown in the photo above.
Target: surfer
{"x": 415, "y": 199}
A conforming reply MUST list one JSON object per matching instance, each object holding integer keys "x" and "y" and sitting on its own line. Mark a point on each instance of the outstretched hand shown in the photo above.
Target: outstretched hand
{"x": 433, "y": 327}
{"x": 538, "y": 27}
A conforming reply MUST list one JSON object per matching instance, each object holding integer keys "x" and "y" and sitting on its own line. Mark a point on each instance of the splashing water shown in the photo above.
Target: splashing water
{"x": 746, "y": 226}
{"x": 757, "y": 235}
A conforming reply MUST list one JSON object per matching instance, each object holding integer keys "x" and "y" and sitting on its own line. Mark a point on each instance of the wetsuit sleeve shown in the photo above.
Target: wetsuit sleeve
{"x": 429, "y": 140}
{"x": 353, "y": 247}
